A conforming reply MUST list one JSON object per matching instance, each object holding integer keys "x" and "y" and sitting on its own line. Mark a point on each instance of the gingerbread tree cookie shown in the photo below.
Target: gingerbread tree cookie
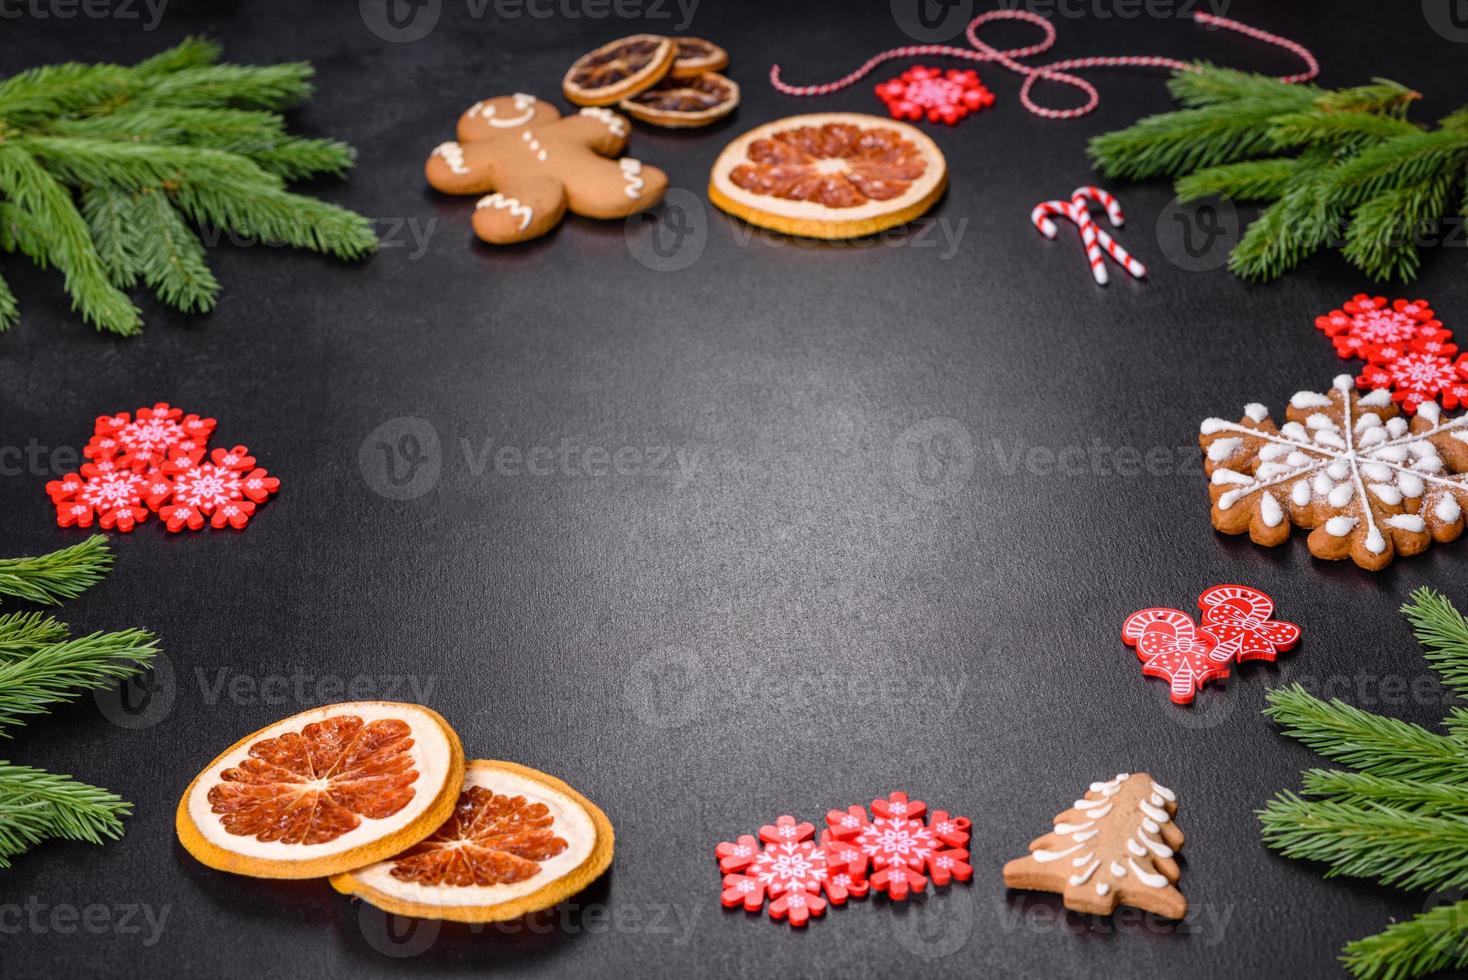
{"x": 1114, "y": 847}
{"x": 1370, "y": 484}
{"x": 532, "y": 165}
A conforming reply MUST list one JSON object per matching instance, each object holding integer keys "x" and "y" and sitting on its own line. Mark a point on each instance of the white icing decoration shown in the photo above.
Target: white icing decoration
{"x": 1256, "y": 412}
{"x": 1270, "y": 513}
{"x": 1427, "y": 410}
{"x": 524, "y": 104}
{"x": 510, "y": 204}
{"x": 1319, "y": 420}
{"x": 1155, "y": 846}
{"x": 1407, "y": 522}
{"x": 1210, "y": 426}
{"x": 1084, "y": 876}
{"x": 1084, "y": 835}
{"x": 1340, "y": 496}
{"x": 1340, "y": 526}
{"x": 1146, "y": 877}
{"x": 1044, "y": 856}
{"x": 1136, "y": 848}
{"x": 1154, "y": 812}
{"x": 610, "y": 119}
{"x": 453, "y": 155}
{"x": 1071, "y": 828}
{"x": 1447, "y": 510}
{"x": 1117, "y": 871}
{"x": 1377, "y": 398}
{"x": 1300, "y": 493}
{"x": 1224, "y": 475}
{"x": 1221, "y": 449}
{"x": 1102, "y": 888}
{"x": 1310, "y": 399}
{"x": 534, "y": 145}
{"x": 1386, "y": 493}
{"x": 1165, "y": 793}
{"x": 631, "y": 170}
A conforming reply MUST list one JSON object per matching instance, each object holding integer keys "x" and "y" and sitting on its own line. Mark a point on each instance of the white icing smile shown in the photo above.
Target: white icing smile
{"x": 524, "y": 103}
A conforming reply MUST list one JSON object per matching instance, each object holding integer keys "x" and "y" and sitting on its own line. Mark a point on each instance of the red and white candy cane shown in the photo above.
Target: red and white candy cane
{"x": 1056, "y": 71}
{"x": 1118, "y": 254}
{"x": 1098, "y": 242}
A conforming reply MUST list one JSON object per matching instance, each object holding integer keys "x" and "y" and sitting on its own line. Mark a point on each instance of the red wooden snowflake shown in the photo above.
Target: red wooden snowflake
{"x": 148, "y": 438}
{"x": 1171, "y": 647}
{"x": 938, "y": 95}
{"x": 1416, "y": 378}
{"x": 791, "y": 872}
{"x": 102, "y": 493}
{"x": 1406, "y": 348}
{"x": 900, "y": 846}
{"x": 1238, "y": 619}
{"x": 222, "y": 488}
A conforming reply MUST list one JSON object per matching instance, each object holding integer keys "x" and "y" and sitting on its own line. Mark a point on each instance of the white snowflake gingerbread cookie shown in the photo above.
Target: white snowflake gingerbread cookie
{"x": 1368, "y": 483}
{"x": 532, "y": 165}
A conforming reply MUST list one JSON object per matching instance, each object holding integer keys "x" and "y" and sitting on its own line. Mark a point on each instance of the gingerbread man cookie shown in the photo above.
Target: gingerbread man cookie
{"x": 532, "y": 165}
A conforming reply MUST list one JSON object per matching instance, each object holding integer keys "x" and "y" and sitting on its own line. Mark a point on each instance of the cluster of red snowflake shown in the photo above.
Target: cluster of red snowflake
{"x": 1405, "y": 348}
{"x": 938, "y": 95}
{"x": 893, "y": 850}
{"x": 156, "y": 461}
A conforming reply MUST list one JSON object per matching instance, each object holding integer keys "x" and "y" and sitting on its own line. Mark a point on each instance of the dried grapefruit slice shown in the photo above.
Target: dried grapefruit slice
{"x": 323, "y": 791}
{"x": 518, "y": 841}
{"x": 829, "y": 175}
{"x": 618, "y": 69}
{"x": 684, "y": 102}
{"x": 696, "y": 56}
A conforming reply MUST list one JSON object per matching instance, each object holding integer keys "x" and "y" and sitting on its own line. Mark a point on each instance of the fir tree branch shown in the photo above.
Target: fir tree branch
{"x": 22, "y": 634}
{"x": 1251, "y": 180}
{"x": 274, "y": 215}
{"x": 170, "y": 257}
{"x": 1180, "y": 142}
{"x": 64, "y": 574}
{"x": 191, "y": 52}
{"x": 1360, "y": 789}
{"x": 1400, "y": 162}
{"x": 1443, "y": 633}
{"x": 294, "y": 159}
{"x": 1211, "y": 85}
{"x": 109, "y": 214}
{"x": 1376, "y": 745}
{"x": 54, "y": 90}
{"x": 230, "y": 130}
{"x": 68, "y": 243}
{"x": 240, "y": 86}
{"x": 61, "y": 671}
{"x": 1337, "y": 130}
{"x": 1395, "y": 847}
{"x": 1435, "y": 940}
{"x": 9, "y": 309}
{"x": 1382, "y": 240}
{"x": 1302, "y": 221}
{"x": 135, "y": 166}
{"x": 23, "y": 825}
{"x": 1382, "y": 96}
{"x": 59, "y": 806}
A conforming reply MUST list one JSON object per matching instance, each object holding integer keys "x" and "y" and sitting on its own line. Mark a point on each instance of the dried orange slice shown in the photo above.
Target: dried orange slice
{"x": 323, "y": 791}
{"x": 696, "y": 56}
{"x": 829, "y": 175}
{"x": 518, "y": 841}
{"x": 683, "y": 102}
{"x": 618, "y": 69}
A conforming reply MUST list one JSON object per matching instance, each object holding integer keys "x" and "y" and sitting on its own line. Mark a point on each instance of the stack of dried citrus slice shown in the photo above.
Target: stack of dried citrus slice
{"x": 377, "y": 795}
{"x": 671, "y": 82}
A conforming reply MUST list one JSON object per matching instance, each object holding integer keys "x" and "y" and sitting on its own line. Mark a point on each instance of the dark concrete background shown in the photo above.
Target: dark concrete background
{"x": 835, "y": 556}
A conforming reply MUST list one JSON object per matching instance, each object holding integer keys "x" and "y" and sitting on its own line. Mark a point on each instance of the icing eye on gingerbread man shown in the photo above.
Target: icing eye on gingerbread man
{"x": 532, "y": 165}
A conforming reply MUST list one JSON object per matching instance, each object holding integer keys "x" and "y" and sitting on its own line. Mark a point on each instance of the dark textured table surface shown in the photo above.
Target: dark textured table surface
{"x": 793, "y": 524}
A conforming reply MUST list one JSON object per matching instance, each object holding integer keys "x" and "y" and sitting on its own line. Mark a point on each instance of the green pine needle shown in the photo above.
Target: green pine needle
{"x": 1435, "y": 940}
{"x": 1391, "y": 845}
{"x": 1443, "y": 633}
{"x": 1251, "y": 180}
{"x": 1361, "y": 789}
{"x": 65, "y": 574}
{"x": 126, "y": 142}
{"x": 36, "y": 805}
{"x": 22, "y": 634}
{"x": 1374, "y": 744}
{"x": 61, "y": 671}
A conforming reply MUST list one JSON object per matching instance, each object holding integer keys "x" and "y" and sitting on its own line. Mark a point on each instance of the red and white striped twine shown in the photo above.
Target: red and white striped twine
{"x": 1057, "y": 71}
